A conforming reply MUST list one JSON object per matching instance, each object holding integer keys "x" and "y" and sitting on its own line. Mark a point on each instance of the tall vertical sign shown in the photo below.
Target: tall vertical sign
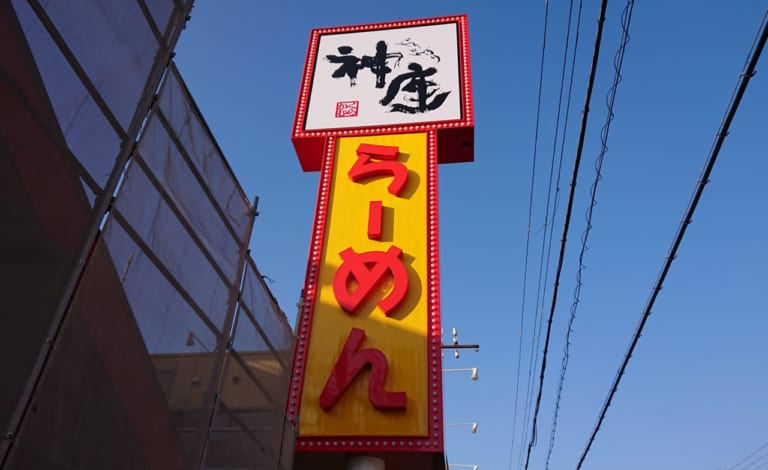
{"x": 380, "y": 106}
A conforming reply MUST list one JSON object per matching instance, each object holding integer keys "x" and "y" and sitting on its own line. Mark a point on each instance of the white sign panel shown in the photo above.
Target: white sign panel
{"x": 382, "y": 77}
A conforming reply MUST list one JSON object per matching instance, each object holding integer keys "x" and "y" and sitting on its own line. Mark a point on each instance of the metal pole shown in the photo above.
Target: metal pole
{"x": 224, "y": 343}
{"x": 460, "y": 346}
{"x": 364, "y": 462}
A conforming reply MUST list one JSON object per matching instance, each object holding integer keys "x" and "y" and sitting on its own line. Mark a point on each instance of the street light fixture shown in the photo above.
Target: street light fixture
{"x": 472, "y": 376}
{"x": 460, "y": 465}
{"x": 472, "y": 426}
{"x": 456, "y": 345}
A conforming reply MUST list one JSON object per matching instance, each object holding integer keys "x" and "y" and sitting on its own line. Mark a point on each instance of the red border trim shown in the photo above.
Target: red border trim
{"x": 467, "y": 119}
{"x": 433, "y": 441}
{"x": 310, "y": 283}
{"x": 466, "y": 71}
{"x": 435, "y": 364}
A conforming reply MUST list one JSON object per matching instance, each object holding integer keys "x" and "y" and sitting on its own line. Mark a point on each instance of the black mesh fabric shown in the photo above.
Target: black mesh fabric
{"x": 140, "y": 334}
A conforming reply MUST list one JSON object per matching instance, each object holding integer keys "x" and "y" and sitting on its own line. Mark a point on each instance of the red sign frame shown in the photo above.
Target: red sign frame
{"x": 454, "y": 138}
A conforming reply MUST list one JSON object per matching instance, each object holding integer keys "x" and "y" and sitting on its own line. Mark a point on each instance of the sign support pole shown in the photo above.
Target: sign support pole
{"x": 364, "y": 462}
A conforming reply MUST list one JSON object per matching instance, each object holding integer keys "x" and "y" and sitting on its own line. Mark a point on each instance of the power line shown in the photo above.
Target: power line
{"x": 748, "y": 456}
{"x": 567, "y": 110}
{"x": 751, "y": 466}
{"x": 562, "y": 147}
{"x": 528, "y": 234}
{"x": 761, "y": 466}
{"x": 548, "y": 228}
{"x": 543, "y": 268}
{"x": 741, "y": 87}
{"x": 549, "y": 220}
{"x": 569, "y": 210}
{"x": 532, "y": 364}
{"x": 618, "y": 61}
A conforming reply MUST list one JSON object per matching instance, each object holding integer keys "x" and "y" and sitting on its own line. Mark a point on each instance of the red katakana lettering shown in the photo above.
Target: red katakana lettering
{"x": 368, "y": 269}
{"x": 365, "y": 168}
{"x": 349, "y": 365}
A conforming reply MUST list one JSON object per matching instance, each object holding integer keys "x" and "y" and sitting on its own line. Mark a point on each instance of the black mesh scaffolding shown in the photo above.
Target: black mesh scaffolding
{"x": 137, "y": 331}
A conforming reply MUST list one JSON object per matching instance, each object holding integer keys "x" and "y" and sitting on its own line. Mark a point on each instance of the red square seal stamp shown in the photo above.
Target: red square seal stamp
{"x": 347, "y": 109}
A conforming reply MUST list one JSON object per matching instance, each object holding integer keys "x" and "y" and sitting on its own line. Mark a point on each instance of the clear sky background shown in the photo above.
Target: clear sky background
{"x": 694, "y": 395}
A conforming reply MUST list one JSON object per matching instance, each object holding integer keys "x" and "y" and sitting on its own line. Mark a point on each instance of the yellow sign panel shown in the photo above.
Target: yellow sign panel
{"x": 375, "y": 245}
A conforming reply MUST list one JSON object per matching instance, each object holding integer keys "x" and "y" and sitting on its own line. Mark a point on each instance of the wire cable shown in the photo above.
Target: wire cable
{"x": 761, "y": 466}
{"x": 543, "y": 275}
{"x": 738, "y": 94}
{"x": 567, "y": 115}
{"x": 751, "y": 466}
{"x": 549, "y": 216}
{"x": 748, "y": 456}
{"x": 549, "y": 219}
{"x": 565, "y": 129}
{"x": 618, "y": 61}
{"x": 528, "y": 234}
{"x": 566, "y": 225}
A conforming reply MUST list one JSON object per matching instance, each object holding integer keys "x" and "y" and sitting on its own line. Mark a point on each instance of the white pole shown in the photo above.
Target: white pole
{"x": 364, "y": 462}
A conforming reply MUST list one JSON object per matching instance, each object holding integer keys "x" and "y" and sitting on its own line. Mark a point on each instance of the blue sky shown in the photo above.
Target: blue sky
{"x": 694, "y": 393}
